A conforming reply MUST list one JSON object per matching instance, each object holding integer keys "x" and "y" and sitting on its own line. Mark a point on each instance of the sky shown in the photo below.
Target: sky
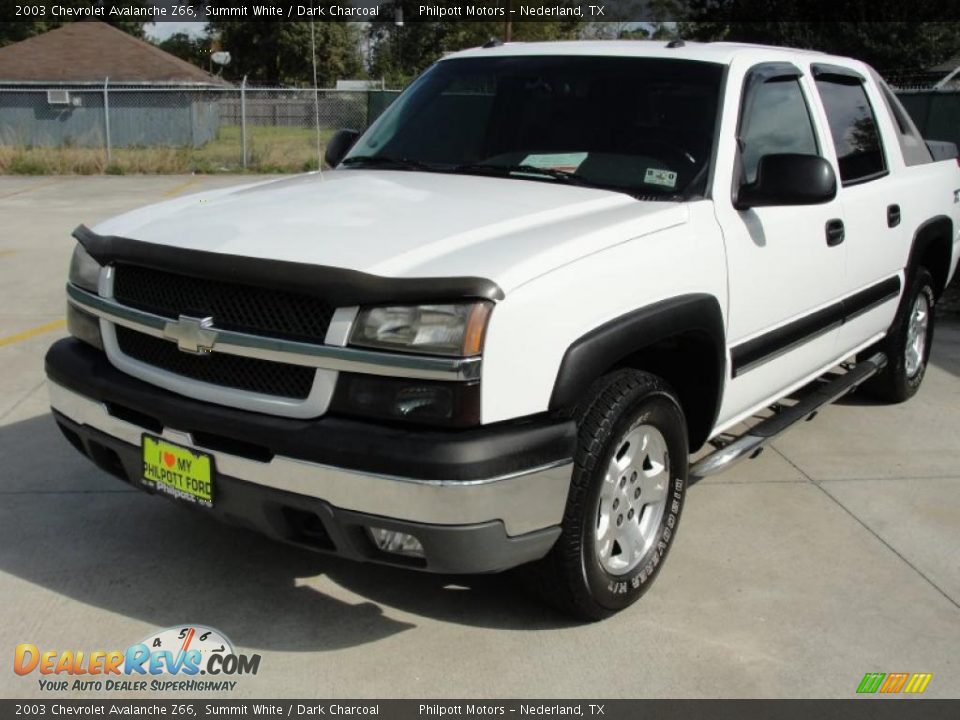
{"x": 163, "y": 30}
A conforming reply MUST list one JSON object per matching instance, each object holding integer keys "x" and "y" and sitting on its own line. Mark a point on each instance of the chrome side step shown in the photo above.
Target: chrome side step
{"x": 751, "y": 443}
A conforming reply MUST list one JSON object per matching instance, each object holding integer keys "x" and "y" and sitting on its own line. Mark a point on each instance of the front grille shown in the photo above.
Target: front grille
{"x": 242, "y": 308}
{"x": 242, "y": 373}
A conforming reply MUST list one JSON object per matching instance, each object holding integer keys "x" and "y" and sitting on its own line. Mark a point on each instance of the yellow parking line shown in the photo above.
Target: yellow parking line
{"x": 37, "y": 186}
{"x": 177, "y": 189}
{"x": 32, "y": 332}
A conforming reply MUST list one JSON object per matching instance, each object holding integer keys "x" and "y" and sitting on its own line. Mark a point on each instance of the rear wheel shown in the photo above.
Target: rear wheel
{"x": 907, "y": 345}
{"x": 625, "y": 499}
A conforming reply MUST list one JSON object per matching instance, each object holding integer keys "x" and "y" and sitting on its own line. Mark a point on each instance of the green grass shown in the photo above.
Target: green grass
{"x": 269, "y": 149}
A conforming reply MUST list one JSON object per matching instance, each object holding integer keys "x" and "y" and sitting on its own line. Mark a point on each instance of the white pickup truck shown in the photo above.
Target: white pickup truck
{"x": 495, "y": 331}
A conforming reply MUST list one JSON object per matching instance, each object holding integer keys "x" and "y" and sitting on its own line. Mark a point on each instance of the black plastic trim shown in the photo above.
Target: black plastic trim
{"x": 934, "y": 234}
{"x": 766, "y": 347}
{"x": 457, "y": 455}
{"x": 339, "y": 286}
{"x": 316, "y": 525}
{"x": 601, "y": 349}
{"x": 837, "y": 73}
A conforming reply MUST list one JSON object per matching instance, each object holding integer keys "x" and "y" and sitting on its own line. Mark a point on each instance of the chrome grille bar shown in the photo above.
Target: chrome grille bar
{"x": 329, "y": 357}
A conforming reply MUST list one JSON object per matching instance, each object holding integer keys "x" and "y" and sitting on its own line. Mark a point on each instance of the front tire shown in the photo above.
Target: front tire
{"x": 907, "y": 345}
{"x": 626, "y": 495}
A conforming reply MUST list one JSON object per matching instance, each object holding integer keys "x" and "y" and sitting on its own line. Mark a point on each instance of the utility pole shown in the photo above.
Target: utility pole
{"x": 508, "y": 23}
{"x": 316, "y": 97}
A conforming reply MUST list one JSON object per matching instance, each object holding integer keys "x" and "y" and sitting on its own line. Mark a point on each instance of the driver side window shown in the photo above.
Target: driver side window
{"x": 777, "y": 120}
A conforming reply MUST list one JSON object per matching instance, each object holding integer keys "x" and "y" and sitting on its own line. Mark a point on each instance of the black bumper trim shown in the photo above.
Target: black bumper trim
{"x": 316, "y": 525}
{"x": 456, "y": 455}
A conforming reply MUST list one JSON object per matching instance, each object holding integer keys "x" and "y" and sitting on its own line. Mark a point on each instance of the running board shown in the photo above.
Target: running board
{"x": 751, "y": 444}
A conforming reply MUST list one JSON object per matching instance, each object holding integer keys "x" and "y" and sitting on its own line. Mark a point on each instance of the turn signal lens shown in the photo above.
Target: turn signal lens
{"x": 84, "y": 270}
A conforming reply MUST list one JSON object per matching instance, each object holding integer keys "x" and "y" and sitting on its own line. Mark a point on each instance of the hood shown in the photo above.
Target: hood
{"x": 403, "y": 224}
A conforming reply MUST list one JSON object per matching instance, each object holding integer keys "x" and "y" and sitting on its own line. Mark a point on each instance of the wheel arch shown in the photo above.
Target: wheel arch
{"x": 932, "y": 247}
{"x": 680, "y": 339}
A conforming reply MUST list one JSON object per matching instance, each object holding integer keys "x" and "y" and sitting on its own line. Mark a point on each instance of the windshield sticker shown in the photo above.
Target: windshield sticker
{"x": 567, "y": 162}
{"x": 656, "y": 176}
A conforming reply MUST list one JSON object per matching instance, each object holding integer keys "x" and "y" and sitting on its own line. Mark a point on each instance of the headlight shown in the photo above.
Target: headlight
{"x": 455, "y": 329}
{"x": 84, "y": 270}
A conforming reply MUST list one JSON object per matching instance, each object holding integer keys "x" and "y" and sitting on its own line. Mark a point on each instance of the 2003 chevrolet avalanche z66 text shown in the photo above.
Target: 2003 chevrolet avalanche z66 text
{"x": 495, "y": 331}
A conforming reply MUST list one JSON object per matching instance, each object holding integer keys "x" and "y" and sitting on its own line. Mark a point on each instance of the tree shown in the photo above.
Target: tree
{"x": 890, "y": 47}
{"x": 12, "y": 32}
{"x": 401, "y": 53}
{"x": 278, "y": 53}
{"x": 194, "y": 50}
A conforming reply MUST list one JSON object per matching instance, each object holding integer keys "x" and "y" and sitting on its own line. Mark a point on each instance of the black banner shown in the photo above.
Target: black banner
{"x": 865, "y": 709}
{"x": 411, "y": 11}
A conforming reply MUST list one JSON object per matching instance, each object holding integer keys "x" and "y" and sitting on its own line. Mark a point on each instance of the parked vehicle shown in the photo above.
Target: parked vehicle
{"x": 494, "y": 334}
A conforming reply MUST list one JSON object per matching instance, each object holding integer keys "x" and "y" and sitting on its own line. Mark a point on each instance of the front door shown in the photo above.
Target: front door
{"x": 786, "y": 264}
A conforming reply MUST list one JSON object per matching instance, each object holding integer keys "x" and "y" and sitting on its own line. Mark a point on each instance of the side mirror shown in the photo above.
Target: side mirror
{"x": 789, "y": 179}
{"x": 339, "y": 145}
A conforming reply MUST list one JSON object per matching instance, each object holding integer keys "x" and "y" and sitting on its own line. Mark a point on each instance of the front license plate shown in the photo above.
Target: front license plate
{"x": 178, "y": 471}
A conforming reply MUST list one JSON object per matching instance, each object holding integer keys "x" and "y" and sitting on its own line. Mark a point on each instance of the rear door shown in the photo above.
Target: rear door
{"x": 785, "y": 275}
{"x": 875, "y": 202}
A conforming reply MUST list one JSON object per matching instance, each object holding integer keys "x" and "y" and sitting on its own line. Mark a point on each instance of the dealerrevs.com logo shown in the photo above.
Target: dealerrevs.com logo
{"x": 176, "y": 659}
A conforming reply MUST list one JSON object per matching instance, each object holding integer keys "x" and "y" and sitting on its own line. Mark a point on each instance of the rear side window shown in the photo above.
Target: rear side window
{"x": 854, "y": 130}
{"x": 776, "y": 121}
{"x": 912, "y": 146}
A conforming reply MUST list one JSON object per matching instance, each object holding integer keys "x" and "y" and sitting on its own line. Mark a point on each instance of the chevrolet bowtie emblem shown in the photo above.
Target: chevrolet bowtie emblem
{"x": 193, "y": 335}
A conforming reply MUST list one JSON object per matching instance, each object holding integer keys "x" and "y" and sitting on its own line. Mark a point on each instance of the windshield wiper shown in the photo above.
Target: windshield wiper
{"x": 389, "y": 162}
{"x": 564, "y": 175}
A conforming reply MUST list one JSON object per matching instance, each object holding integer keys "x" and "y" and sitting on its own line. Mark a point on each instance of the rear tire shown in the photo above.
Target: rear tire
{"x": 907, "y": 345}
{"x": 626, "y": 495}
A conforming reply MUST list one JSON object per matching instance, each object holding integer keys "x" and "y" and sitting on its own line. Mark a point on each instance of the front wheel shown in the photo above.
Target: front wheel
{"x": 907, "y": 345}
{"x": 626, "y": 494}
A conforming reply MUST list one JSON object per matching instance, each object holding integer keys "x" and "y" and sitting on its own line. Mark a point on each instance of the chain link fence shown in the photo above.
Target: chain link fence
{"x": 175, "y": 129}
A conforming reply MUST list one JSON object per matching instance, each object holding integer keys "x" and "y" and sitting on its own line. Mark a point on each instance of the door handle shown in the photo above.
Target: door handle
{"x": 835, "y": 232}
{"x": 893, "y": 215}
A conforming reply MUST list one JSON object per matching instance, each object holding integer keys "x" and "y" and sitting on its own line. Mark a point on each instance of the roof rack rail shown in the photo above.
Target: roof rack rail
{"x": 678, "y": 43}
{"x": 492, "y": 43}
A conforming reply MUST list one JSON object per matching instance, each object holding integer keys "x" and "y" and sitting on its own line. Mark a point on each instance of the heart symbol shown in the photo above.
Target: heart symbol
{"x": 169, "y": 459}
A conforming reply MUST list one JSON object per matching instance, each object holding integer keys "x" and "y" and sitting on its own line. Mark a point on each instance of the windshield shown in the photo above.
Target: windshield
{"x": 638, "y": 125}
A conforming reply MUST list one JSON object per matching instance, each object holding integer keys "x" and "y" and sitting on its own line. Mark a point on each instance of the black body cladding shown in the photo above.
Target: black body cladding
{"x": 752, "y": 353}
{"x": 694, "y": 317}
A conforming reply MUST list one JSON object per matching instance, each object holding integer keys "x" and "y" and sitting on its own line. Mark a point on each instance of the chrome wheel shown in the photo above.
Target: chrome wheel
{"x": 632, "y": 499}
{"x": 917, "y": 335}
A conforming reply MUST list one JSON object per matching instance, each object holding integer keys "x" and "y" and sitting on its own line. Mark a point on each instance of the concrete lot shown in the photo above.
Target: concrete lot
{"x": 834, "y": 554}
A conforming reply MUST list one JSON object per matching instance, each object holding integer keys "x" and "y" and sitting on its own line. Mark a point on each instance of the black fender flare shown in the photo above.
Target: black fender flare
{"x": 938, "y": 229}
{"x": 609, "y": 345}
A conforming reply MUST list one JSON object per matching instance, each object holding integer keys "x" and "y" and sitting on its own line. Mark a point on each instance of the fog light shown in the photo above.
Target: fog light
{"x": 425, "y": 402}
{"x": 397, "y": 543}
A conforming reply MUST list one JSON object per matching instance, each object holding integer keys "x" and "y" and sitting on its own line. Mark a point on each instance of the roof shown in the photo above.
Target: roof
{"x": 717, "y": 52}
{"x": 91, "y": 51}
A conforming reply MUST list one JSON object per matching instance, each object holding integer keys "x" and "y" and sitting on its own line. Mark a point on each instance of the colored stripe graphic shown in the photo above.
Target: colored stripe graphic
{"x": 892, "y": 683}
{"x": 871, "y": 682}
{"x": 918, "y": 682}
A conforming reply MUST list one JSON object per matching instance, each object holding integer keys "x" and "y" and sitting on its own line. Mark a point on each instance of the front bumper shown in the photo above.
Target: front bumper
{"x": 479, "y": 500}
